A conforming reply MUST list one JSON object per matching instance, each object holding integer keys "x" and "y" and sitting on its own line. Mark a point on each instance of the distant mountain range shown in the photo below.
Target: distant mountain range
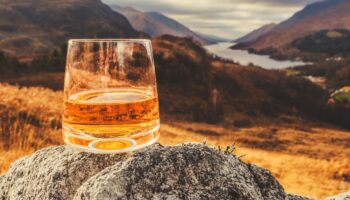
{"x": 213, "y": 38}
{"x": 252, "y": 36}
{"x": 36, "y": 27}
{"x": 329, "y": 14}
{"x": 156, "y": 24}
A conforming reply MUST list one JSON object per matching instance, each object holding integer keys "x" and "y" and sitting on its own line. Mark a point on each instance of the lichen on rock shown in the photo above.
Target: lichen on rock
{"x": 52, "y": 173}
{"x": 189, "y": 171}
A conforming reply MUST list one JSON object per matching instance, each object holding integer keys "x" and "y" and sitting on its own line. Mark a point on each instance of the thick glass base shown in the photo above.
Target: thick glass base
{"x": 110, "y": 145}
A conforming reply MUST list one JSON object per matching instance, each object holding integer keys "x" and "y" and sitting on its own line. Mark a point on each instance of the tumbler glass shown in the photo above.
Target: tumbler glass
{"x": 110, "y": 95}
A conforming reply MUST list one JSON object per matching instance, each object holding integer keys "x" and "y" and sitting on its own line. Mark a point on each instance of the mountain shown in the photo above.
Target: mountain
{"x": 156, "y": 24}
{"x": 329, "y": 14}
{"x": 329, "y": 42}
{"x": 256, "y": 33}
{"x": 188, "y": 76}
{"x": 212, "y": 38}
{"x": 35, "y": 27}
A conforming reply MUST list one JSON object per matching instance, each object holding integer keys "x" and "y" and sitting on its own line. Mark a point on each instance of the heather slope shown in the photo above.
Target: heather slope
{"x": 33, "y": 28}
{"x": 252, "y": 36}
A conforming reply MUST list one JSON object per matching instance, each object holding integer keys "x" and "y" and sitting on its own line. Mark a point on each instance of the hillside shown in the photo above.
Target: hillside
{"x": 250, "y": 37}
{"x": 331, "y": 50}
{"x": 189, "y": 79}
{"x": 187, "y": 73}
{"x": 36, "y": 27}
{"x": 156, "y": 24}
{"x": 329, "y": 42}
{"x": 334, "y": 14}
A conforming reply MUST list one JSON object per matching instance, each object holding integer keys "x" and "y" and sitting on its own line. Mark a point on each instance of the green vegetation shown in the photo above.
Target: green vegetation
{"x": 291, "y": 72}
{"x": 337, "y": 73}
{"x": 342, "y": 97}
{"x": 315, "y": 47}
{"x": 329, "y": 50}
{"x": 330, "y": 42}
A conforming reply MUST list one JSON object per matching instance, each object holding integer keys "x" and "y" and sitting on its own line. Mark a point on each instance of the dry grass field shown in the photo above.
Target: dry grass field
{"x": 300, "y": 173}
{"x": 30, "y": 120}
{"x": 307, "y": 158}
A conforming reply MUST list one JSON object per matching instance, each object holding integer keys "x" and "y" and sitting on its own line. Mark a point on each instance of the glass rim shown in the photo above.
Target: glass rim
{"x": 109, "y": 40}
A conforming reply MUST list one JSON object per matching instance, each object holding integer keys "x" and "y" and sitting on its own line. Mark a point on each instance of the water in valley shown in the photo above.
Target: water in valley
{"x": 244, "y": 57}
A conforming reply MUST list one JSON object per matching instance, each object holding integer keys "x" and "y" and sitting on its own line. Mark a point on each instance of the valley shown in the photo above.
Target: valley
{"x": 322, "y": 43}
{"x": 275, "y": 116}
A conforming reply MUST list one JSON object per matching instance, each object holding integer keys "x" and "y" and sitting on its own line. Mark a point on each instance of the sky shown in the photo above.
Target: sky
{"x": 225, "y": 18}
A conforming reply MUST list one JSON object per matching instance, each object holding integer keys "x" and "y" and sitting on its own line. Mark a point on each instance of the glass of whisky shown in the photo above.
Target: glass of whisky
{"x": 110, "y": 95}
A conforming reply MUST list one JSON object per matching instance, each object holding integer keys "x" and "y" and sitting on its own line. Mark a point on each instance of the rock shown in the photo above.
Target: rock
{"x": 343, "y": 196}
{"x": 194, "y": 171}
{"x": 190, "y": 171}
{"x": 297, "y": 197}
{"x": 269, "y": 186}
{"x": 52, "y": 173}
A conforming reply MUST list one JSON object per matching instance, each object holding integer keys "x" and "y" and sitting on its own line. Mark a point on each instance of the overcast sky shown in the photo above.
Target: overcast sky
{"x": 225, "y": 18}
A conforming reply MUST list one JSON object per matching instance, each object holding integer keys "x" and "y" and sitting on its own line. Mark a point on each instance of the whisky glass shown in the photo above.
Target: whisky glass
{"x": 110, "y": 95}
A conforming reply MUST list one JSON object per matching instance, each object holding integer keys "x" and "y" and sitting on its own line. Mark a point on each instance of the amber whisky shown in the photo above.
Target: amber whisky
{"x": 111, "y": 120}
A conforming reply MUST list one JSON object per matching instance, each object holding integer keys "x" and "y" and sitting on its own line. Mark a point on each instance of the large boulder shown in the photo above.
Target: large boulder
{"x": 190, "y": 171}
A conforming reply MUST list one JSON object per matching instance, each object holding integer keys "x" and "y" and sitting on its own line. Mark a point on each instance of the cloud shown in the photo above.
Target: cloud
{"x": 225, "y": 18}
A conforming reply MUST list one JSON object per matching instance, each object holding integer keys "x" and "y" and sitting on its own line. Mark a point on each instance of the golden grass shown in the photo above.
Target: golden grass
{"x": 307, "y": 160}
{"x": 30, "y": 120}
{"x": 303, "y": 175}
{"x": 299, "y": 174}
{"x": 8, "y": 157}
